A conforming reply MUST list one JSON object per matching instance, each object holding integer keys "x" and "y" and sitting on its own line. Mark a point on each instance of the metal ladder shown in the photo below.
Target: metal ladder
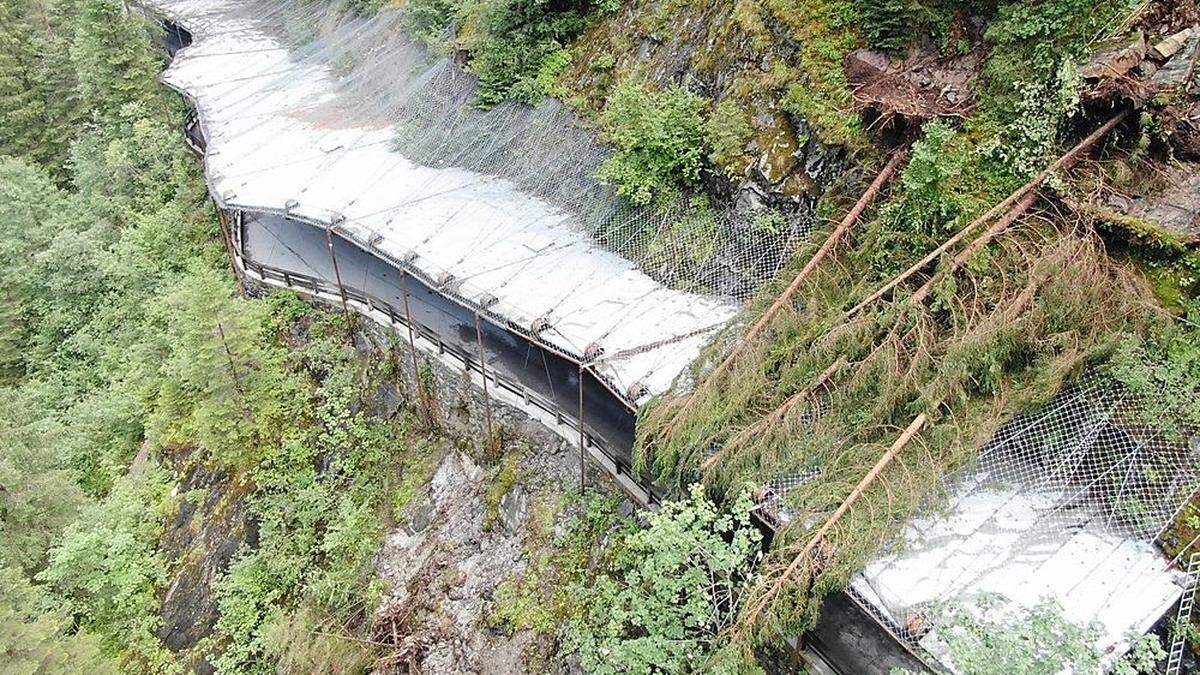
{"x": 1183, "y": 616}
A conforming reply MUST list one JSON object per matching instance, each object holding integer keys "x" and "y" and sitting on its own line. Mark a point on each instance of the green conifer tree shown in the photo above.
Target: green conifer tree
{"x": 37, "y": 83}
{"x": 113, "y": 62}
{"x": 22, "y": 105}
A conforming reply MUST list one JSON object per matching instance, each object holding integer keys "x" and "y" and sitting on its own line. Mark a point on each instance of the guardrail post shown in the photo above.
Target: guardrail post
{"x": 422, "y": 395}
{"x": 337, "y": 275}
{"x": 582, "y": 439}
{"x": 487, "y": 402}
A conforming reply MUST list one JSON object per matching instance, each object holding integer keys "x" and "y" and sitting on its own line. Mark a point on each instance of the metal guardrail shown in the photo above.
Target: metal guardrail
{"x": 367, "y": 304}
{"x": 195, "y": 136}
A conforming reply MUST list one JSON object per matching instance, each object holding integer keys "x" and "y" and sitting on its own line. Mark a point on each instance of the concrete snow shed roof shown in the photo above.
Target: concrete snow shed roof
{"x": 280, "y": 137}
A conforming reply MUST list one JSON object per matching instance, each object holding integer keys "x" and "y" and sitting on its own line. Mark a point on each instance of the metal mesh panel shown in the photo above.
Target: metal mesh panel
{"x": 430, "y": 101}
{"x": 1090, "y": 465}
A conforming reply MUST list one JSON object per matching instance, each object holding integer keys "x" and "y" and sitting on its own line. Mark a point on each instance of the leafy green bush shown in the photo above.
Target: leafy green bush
{"x": 430, "y": 21}
{"x": 1024, "y": 146}
{"x": 659, "y": 138}
{"x": 990, "y": 639}
{"x": 928, "y": 204}
{"x": 674, "y": 586}
{"x": 1163, "y": 371}
{"x": 1030, "y": 41}
{"x": 37, "y": 635}
{"x": 518, "y": 47}
{"x": 319, "y": 497}
{"x": 727, "y": 132}
{"x": 928, "y": 201}
{"x": 106, "y": 568}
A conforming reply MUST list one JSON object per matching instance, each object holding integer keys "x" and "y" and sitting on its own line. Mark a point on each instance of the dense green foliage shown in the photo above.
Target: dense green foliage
{"x": 727, "y": 131}
{"x": 106, "y": 569}
{"x": 321, "y": 495}
{"x": 122, "y": 332}
{"x": 515, "y": 47}
{"x": 39, "y": 102}
{"x": 85, "y": 343}
{"x": 672, "y": 589}
{"x": 967, "y": 343}
{"x": 38, "y": 634}
{"x": 124, "y": 346}
{"x": 648, "y": 599}
{"x": 659, "y": 140}
{"x": 1162, "y": 369}
{"x": 986, "y": 639}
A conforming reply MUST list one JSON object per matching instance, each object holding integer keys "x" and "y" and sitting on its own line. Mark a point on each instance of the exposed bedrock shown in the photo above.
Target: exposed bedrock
{"x": 785, "y": 165}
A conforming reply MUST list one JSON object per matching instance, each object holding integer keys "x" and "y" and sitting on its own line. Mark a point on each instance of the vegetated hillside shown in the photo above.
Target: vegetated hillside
{"x": 1096, "y": 274}
{"x": 190, "y": 478}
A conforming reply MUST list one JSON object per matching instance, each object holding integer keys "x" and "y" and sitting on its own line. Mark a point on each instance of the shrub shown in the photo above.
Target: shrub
{"x": 1023, "y": 147}
{"x": 886, "y": 22}
{"x": 1031, "y": 41}
{"x": 728, "y": 131}
{"x": 659, "y": 138}
{"x": 1163, "y": 371}
{"x": 106, "y": 568}
{"x": 994, "y": 638}
{"x": 430, "y": 21}
{"x": 673, "y": 588}
{"x": 38, "y": 636}
{"x": 928, "y": 204}
{"x": 319, "y": 497}
{"x": 929, "y": 201}
{"x": 518, "y": 47}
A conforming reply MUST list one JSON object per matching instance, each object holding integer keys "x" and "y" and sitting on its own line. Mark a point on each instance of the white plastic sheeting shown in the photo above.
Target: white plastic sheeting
{"x": 279, "y": 138}
{"x": 988, "y": 546}
{"x": 1065, "y": 504}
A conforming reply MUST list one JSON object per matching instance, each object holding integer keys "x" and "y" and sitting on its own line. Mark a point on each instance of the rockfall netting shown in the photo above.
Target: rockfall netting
{"x": 545, "y": 151}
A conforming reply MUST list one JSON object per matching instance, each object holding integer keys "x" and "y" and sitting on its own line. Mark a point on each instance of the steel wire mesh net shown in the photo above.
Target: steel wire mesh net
{"x": 1064, "y": 503}
{"x": 384, "y": 78}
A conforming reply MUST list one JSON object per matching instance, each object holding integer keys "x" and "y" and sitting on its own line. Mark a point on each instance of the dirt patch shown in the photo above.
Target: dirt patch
{"x": 907, "y": 92}
{"x": 1169, "y": 16}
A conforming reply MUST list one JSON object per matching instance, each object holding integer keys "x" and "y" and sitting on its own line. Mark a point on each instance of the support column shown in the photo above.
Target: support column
{"x": 487, "y": 402}
{"x": 337, "y": 275}
{"x": 422, "y": 395}
{"x": 582, "y": 437}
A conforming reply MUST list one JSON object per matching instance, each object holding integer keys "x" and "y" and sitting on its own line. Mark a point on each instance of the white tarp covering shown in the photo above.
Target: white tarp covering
{"x": 279, "y": 138}
{"x": 993, "y": 542}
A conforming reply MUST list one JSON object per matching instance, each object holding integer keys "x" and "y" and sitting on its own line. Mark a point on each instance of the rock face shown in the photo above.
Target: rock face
{"x": 702, "y": 44}
{"x": 1175, "y": 206}
{"x": 465, "y": 532}
{"x": 200, "y": 541}
{"x": 447, "y": 556}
